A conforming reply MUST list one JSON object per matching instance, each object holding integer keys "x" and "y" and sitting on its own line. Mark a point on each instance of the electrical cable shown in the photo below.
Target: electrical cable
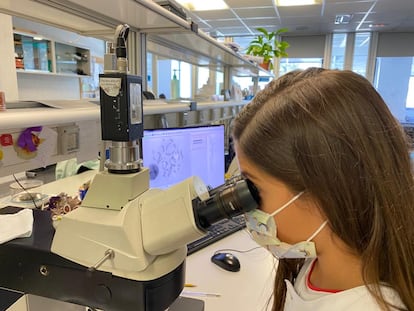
{"x": 25, "y": 190}
{"x": 237, "y": 250}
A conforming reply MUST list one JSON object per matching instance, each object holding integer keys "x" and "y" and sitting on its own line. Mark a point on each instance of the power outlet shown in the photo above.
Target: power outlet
{"x": 68, "y": 139}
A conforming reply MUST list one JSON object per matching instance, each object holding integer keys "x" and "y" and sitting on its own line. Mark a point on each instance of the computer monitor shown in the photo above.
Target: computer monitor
{"x": 174, "y": 154}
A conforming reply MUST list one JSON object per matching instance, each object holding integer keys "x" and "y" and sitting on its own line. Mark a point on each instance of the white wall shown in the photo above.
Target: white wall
{"x": 8, "y": 78}
{"x": 41, "y": 87}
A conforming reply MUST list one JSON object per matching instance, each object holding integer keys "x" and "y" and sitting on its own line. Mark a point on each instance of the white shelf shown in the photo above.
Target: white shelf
{"x": 33, "y": 71}
{"x": 219, "y": 104}
{"x": 164, "y": 28}
{"x": 48, "y": 73}
{"x": 164, "y": 108}
{"x": 72, "y": 62}
{"x": 23, "y": 118}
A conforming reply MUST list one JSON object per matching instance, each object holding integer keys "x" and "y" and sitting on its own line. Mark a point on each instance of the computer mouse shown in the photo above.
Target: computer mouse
{"x": 226, "y": 261}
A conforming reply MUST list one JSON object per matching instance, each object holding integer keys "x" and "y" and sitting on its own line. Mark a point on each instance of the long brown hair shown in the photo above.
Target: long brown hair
{"x": 330, "y": 132}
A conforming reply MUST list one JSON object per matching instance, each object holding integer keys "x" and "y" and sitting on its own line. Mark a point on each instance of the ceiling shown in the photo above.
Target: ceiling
{"x": 244, "y": 16}
{"x": 98, "y": 18}
{"x": 95, "y": 17}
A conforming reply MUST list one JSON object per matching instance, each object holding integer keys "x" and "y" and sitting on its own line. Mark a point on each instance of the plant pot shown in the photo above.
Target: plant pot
{"x": 265, "y": 65}
{"x": 254, "y": 59}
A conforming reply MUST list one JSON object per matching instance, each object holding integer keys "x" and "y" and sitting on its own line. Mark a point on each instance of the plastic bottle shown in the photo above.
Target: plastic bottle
{"x": 175, "y": 86}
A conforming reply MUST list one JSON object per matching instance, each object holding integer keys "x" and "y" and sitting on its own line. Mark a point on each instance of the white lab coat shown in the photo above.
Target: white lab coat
{"x": 355, "y": 299}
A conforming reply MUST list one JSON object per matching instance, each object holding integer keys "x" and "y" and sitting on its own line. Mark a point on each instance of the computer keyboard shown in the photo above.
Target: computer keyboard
{"x": 216, "y": 232}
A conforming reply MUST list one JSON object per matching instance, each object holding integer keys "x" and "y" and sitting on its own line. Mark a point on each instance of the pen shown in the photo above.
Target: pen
{"x": 189, "y": 285}
{"x": 200, "y": 294}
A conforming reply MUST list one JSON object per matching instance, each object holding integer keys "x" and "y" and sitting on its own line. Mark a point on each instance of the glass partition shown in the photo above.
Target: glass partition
{"x": 176, "y": 79}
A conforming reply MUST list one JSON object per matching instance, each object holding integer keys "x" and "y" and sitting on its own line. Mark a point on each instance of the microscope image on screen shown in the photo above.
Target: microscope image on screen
{"x": 166, "y": 160}
{"x": 174, "y": 154}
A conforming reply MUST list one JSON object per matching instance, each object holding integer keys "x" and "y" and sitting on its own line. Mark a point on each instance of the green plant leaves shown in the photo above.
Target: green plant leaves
{"x": 267, "y": 45}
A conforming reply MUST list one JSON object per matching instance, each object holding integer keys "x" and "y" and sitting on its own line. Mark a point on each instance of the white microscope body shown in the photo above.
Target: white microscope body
{"x": 147, "y": 237}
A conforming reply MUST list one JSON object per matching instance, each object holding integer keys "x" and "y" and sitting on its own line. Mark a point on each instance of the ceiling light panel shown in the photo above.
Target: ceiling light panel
{"x": 247, "y": 3}
{"x": 296, "y": 2}
{"x": 300, "y": 11}
{"x": 258, "y": 13}
{"x": 203, "y": 5}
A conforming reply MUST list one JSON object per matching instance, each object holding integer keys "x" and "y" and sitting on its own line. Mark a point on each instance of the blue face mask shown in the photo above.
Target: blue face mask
{"x": 262, "y": 228}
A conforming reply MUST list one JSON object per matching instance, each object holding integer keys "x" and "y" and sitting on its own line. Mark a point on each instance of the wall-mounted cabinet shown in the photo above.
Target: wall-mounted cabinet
{"x": 71, "y": 59}
{"x": 34, "y": 54}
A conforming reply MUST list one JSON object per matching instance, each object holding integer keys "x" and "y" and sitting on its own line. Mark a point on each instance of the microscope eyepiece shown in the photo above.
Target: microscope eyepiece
{"x": 226, "y": 201}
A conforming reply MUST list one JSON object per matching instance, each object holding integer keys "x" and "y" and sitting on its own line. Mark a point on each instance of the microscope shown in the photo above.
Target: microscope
{"x": 124, "y": 248}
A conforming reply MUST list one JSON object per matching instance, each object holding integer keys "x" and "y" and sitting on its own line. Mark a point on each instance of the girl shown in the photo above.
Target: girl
{"x": 332, "y": 169}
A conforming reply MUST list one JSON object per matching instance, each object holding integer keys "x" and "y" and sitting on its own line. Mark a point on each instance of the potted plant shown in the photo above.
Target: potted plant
{"x": 267, "y": 45}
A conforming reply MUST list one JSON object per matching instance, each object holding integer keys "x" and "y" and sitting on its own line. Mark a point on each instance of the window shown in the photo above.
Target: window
{"x": 289, "y": 64}
{"x": 304, "y": 52}
{"x": 149, "y": 72}
{"x": 209, "y": 82}
{"x": 361, "y": 51}
{"x": 338, "y": 51}
{"x": 203, "y": 76}
{"x": 247, "y": 85}
{"x": 394, "y": 81}
{"x": 393, "y": 76}
{"x": 410, "y": 94}
{"x": 185, "y": 80}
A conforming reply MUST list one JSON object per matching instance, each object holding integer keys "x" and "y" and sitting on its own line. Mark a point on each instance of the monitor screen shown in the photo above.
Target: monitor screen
{"x": 174, "y": 154}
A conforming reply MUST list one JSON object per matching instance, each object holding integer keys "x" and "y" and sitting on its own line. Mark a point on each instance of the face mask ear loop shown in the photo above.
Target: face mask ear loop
{"x": 317, "y": 231}
{"x": 312, "y": 237}
{"x": 287, "y": 204}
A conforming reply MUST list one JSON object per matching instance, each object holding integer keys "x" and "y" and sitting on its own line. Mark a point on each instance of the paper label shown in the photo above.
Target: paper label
{"x": 111, "y": 86}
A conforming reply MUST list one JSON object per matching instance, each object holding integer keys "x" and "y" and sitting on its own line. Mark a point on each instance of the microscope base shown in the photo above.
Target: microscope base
{"x": 27, "y": 265}
{"x": 37, "y": 303}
